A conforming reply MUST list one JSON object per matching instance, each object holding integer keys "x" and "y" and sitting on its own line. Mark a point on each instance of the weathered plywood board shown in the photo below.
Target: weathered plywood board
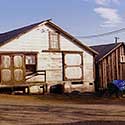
{"x": 88, "y": 67}
{"x": 88, "y": 72}
{"x": 52, "y": 63}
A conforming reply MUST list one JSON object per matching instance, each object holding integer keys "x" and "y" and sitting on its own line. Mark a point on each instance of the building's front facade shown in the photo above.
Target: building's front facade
{"x": 47, "y": 48}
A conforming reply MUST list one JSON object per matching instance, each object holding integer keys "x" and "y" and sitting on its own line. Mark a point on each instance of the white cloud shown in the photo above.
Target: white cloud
{"x": 110, "y": 16}
{"x": 107, "y": 2}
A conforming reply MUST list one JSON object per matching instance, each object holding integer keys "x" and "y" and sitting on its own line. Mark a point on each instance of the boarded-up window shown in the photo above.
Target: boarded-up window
{"x": 54, "y": 41}
{"x": 6, "y": 61}
{"x": 18, "y": 61}
{"x": 6, "y": 75}
{"x": 73, "y": 59}
{"x": 12, "y": 69}
{"x": 73, "y": 72}
{"x": 73, "y": 66}
{"x": 18, "y": 74}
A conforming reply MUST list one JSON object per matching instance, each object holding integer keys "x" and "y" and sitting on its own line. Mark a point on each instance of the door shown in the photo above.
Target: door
{"x": 73, "y": 65}
{"x": 12, "y": 69}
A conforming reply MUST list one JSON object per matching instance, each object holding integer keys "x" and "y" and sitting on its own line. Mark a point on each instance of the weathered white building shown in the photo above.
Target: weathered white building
{"x": 45, "y": 53}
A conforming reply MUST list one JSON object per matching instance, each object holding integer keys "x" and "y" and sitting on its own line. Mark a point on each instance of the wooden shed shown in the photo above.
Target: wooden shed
{"x": 45, "y": 53}
{"x": 110, "y": 63}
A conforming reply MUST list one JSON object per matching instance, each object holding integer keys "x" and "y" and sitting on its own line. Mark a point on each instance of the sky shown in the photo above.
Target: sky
{"x": 78, "y": 17}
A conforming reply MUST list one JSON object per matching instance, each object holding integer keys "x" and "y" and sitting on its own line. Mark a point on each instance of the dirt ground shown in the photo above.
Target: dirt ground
{"x": 61, "y": 109}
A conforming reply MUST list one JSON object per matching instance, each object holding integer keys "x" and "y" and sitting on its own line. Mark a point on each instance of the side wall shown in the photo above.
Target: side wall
{"x": 110, "y": 68}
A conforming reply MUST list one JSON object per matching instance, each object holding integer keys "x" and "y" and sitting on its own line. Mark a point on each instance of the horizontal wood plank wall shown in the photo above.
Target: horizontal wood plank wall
{"x": 110, "y": 67}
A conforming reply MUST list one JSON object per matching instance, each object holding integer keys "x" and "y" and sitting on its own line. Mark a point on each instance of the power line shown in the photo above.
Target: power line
{"x": 103, "y": 34}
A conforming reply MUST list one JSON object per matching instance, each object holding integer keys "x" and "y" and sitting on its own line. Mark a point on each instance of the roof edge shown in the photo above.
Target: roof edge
{"x": 75, "y": 40}
{"x": 111, "y": 51}
{"x": 49, "y": 22}
{"x": 20, "y": 34}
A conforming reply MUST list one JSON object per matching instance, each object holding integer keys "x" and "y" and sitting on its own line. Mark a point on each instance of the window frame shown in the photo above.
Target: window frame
{"x": 122, "y": 59}
{"x": 33, "y": 66}
{"x": 51, "y": 34}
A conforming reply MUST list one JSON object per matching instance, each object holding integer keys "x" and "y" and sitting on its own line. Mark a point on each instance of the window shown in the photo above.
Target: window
{"x": 54, "y": 41}
{"x": 73, "y": 66}
{"x": 30, "y": 59}
{"x": 31, "y": 63}
{"x": 122, "y": 58}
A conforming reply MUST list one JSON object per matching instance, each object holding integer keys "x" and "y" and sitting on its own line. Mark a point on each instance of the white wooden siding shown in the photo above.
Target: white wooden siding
{"x": 88, "y": 70}
{"x": 52, "y": 63}
{"x": 88, "y": 66}
{"x": 35, "y": 40}
{"x": 66, "y": 44}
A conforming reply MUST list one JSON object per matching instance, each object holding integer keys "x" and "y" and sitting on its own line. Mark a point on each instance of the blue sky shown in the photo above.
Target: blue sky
{"x": 78, "y": 17}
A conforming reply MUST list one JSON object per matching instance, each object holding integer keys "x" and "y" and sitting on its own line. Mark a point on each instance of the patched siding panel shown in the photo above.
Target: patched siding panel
{"x": 52, "y": 63}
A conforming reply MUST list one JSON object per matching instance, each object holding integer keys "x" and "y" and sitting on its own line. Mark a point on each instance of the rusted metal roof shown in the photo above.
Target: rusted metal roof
{"x": 103, "y": 50}
{"x": 9, "y": 36}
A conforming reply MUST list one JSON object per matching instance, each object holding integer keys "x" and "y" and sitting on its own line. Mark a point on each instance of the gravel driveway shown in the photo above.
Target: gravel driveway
{"x": 38, "y": 110}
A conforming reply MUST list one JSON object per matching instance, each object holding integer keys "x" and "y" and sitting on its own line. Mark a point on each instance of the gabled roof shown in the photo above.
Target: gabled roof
{"x": 106, "y": 49}
{"x": 9, "y": 36}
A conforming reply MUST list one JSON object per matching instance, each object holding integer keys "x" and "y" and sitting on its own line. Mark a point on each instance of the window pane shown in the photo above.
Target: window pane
{"x": 73, "y": 72}
{"x": 18, "y": 61}
{"x": 73, "y": 59}
{"x": 54, "y": 40}
{"x": 30, "y": 64}
{"x": 30, "y": 59}
{"x": 6, "y": 75}
{"x": 18, "y": 74}
{"x": 122, "y": 58}
{"x": 6, "y": 61}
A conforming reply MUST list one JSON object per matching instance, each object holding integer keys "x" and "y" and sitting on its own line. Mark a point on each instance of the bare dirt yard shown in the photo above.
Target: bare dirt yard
{"x": 61, "y": 109}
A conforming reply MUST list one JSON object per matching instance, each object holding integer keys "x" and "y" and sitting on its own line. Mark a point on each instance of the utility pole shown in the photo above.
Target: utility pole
{"x": 116, "y": 39}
